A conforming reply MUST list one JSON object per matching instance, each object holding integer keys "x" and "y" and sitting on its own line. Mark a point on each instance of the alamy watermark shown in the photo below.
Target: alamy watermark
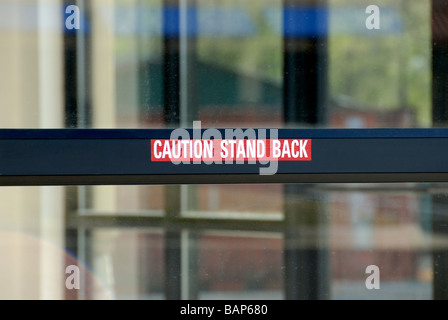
{"x": 73, "y": 279}
{"x": 230, "y": 149}
{"x": 373, "y": 280}
{"x": 72, "y": 17}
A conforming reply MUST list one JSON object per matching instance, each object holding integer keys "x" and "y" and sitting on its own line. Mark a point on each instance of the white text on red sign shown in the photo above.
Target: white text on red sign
{"x": 242, "y": 150}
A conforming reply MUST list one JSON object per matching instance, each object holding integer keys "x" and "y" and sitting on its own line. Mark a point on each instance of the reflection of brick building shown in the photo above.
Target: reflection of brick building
{"x": 345, "y": 117}
{"x": 240, "y": 263}
{"x": 371, "y": 228}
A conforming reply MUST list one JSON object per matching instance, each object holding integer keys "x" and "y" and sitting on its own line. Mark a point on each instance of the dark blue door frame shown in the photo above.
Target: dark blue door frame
{"x": 120, "y": 156}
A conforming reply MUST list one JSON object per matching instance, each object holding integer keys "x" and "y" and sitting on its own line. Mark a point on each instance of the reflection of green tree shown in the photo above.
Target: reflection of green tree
{"x": 382, "y": 71}
{"x": 367, "y": 72}
{"x": 258, "y": 55}
{"x": 386, "y": 71}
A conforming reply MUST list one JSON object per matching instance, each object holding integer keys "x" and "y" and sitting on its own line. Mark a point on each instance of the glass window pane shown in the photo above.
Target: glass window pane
{"x": 151, "y": 64}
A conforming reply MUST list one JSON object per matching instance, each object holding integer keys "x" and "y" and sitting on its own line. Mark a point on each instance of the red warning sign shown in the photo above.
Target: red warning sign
{"x": 231, "y": 150}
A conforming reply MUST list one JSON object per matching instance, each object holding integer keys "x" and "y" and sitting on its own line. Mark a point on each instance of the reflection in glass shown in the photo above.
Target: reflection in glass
{"x": 252, "y": 63}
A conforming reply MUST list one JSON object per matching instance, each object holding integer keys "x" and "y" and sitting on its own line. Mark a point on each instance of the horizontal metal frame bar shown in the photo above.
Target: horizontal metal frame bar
{"x": 123, "y": 156}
